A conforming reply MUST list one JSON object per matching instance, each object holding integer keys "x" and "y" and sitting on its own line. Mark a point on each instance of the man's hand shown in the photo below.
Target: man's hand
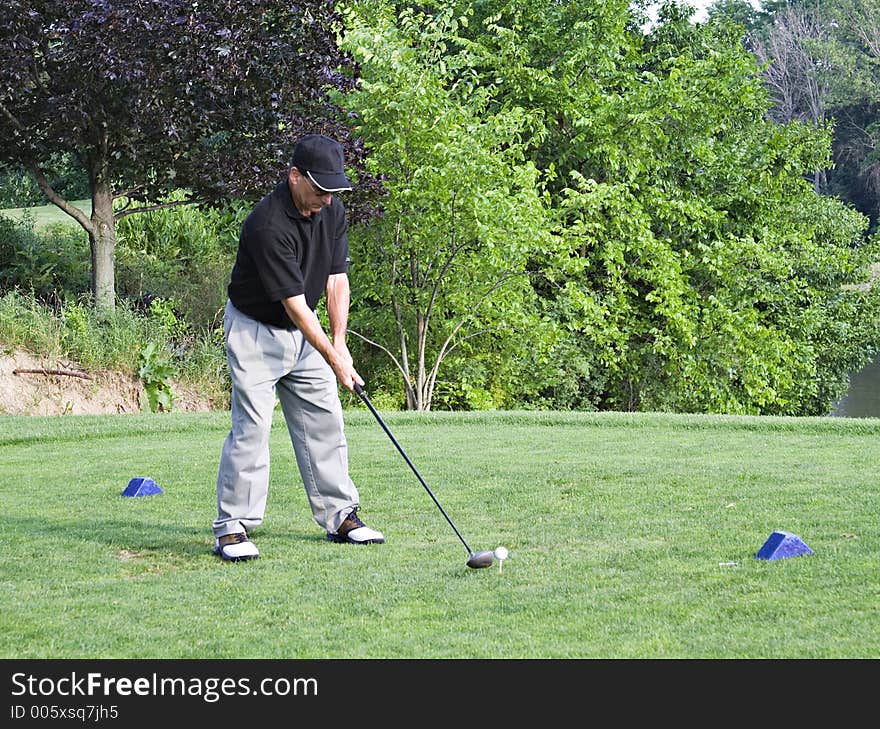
{"x": 343, "y": 366}
{"x": 335, "y": 353}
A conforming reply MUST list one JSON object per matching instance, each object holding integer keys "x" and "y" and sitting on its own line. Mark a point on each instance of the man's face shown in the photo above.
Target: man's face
{"x": 307, "y": 196}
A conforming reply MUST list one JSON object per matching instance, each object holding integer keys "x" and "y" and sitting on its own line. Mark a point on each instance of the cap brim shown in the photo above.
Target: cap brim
{"x": 330, "y": 182}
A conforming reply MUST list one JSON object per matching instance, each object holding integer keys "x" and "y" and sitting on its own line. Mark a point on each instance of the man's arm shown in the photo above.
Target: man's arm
{"x": 335, "y": 352}
{"x": 338, "y": 300}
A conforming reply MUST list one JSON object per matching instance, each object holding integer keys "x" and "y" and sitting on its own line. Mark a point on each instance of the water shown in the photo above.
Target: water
{"x": 862, "y": 399}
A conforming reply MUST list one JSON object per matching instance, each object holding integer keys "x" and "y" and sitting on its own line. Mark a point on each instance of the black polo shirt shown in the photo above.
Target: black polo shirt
{"x": 282, "y": 253}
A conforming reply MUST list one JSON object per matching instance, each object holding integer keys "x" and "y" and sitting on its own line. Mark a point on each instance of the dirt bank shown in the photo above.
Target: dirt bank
{"x": 44, "y": 385}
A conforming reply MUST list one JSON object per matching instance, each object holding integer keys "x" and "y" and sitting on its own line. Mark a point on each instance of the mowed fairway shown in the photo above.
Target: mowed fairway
{"x": 630, "y": 536}
{"x": 45, "y": 215}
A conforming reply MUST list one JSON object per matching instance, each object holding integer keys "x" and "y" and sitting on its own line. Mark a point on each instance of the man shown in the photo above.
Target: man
{"x": 292, "y": 250}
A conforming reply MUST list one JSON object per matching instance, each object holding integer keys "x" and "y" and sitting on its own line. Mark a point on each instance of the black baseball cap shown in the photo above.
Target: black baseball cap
{"x": 322, "y": 160}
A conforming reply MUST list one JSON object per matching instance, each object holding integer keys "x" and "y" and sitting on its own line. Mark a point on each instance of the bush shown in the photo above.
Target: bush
{"x": 48, "y": 262}
{"x": 19, "y": 190}
{"x": 184, "y": 253}
{"x": 153, "y": 345}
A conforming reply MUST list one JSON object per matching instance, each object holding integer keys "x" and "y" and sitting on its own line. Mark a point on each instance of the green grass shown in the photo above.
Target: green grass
{"x": 630, "y": 536}
{"x": 45, "y": 215}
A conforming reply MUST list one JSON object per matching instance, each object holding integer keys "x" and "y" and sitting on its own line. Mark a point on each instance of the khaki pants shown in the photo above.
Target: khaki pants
{"x": 265, "y": 361}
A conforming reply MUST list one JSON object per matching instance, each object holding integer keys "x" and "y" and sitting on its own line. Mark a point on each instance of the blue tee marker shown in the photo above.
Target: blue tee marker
{"x": 783, "y": 544}
{"x": 141, "y": 487}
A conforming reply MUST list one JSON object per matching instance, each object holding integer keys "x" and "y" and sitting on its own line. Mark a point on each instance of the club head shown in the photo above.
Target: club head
{"x": 481, "y": 559}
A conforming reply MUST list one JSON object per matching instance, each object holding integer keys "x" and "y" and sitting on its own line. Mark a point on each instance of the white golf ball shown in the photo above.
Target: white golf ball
{"x": 501, "y": 553}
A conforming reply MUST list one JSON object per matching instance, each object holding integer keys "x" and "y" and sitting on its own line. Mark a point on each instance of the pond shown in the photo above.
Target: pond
{"x": 862, "y": 399}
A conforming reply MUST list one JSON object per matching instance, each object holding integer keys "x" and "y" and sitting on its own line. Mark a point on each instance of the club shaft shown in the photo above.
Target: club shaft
{"x": 406, "y": 458}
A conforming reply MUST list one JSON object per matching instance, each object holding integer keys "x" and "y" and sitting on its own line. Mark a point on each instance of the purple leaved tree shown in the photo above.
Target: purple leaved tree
{"x": 151, "y": 98}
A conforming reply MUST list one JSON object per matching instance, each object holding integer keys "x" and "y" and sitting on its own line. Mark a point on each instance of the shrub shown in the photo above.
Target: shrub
{"x": 156, "y": 371}
{"x": 18, "y": 189}
{"x": 49, "y": 262}
{"x": 184, "y": 253}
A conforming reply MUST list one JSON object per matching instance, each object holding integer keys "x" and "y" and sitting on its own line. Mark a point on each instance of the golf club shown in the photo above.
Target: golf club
{"x": 477, "y": 559}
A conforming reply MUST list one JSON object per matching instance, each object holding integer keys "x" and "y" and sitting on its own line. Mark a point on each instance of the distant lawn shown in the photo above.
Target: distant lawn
{"x": 45, "y": 215}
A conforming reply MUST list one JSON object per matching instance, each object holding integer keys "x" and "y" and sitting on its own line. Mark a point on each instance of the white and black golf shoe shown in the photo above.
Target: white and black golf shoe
{"x": 236, "y": 547}
{"x": 354, "y": 531}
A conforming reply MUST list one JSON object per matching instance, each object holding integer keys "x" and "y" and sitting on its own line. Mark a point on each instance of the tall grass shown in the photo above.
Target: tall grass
{"x": 116, "y": 341}
{"x": 172, "y": 269}
{"x": 27, "y": 324}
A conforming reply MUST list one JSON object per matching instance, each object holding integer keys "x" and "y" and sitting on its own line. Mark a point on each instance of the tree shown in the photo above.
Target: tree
{"x": 797, "y": 62}
{"x": 443, "y": 272}
{"x": 742, "y": 12}
{"x": 822, "y": 65}
{"x": 695, "y": 265}
{"x": 155, "y": 97}
{"x": 854, "y": 101}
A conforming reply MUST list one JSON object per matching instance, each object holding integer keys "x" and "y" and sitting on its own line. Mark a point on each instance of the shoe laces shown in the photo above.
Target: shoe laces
{"x": 236, "y": 538}
{"x": 352, "y": 521}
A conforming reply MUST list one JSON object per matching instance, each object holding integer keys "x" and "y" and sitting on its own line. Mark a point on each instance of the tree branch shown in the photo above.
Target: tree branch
{"x": 384, "y": 349}
{"x": 448, "y": 344}
{"x": 158, "y": 206}
{"x": 42, "y": 371}
{"x": 74, "y": 212}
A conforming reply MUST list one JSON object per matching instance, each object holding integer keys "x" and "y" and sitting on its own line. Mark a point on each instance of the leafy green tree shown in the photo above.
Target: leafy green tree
{"x": 821, "y": 64}
{"x": 697, "y": 265}
{"x": 741, "y": 12}
{"x": 854, "y": 101}
{"x": 796, "y": 59}
{"x": 149, "y": 98}
{"x": 441, "y": 276}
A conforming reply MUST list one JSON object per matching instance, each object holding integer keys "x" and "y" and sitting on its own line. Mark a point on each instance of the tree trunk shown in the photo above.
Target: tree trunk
{"x": 102, "y": 240}
{"x": 421, "y": 389}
